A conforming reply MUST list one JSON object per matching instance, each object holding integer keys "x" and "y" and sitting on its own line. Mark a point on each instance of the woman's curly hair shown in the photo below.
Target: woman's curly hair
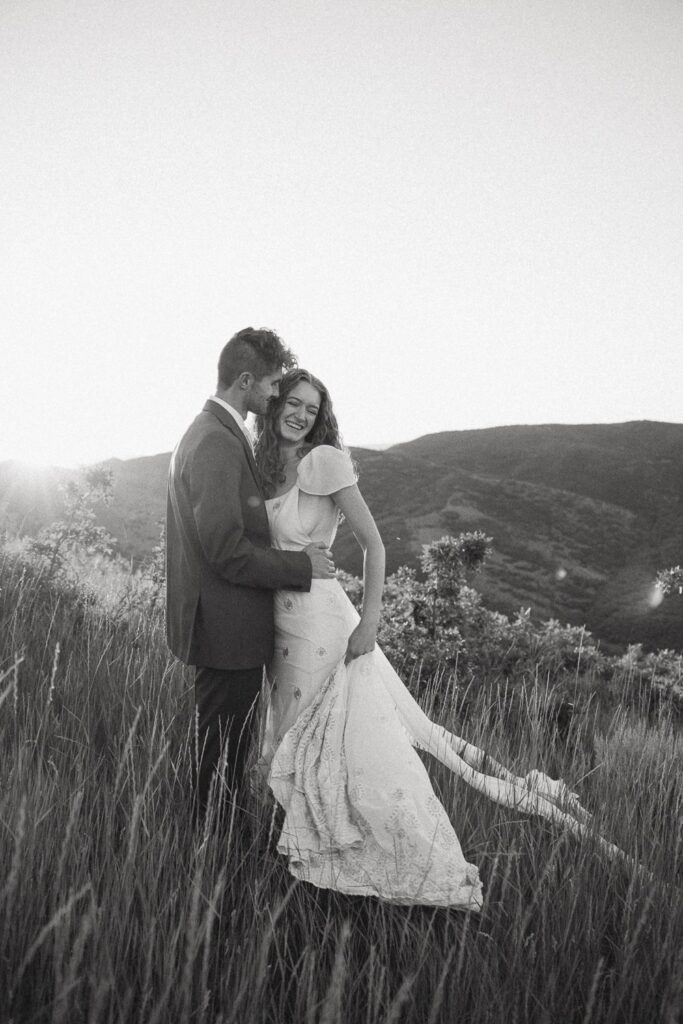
{"x": 323, "y": 431}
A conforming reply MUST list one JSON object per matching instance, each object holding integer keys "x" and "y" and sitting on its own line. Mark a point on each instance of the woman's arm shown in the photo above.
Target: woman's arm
{"x": 359, "y": 518}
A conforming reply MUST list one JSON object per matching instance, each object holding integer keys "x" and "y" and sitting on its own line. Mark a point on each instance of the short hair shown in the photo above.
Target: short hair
{"x": 253, "y": 351}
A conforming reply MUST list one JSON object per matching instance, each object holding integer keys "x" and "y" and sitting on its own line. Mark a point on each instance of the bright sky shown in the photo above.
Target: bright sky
{"x": 458, "y": 213}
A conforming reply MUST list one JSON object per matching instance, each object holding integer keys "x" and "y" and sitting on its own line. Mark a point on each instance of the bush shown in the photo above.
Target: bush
{"x": 76, "y": 531}
{"x": 436, "y": 622}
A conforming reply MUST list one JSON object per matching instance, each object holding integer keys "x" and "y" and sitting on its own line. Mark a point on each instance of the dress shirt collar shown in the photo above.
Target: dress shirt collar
{"x": 237, "y": 417}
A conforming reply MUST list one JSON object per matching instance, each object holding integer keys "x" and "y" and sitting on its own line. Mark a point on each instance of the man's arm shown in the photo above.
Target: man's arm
{"x": 215, "y": 473}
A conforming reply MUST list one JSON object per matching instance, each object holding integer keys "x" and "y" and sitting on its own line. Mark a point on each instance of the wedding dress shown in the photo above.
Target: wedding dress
{"x": 361, "y": 816}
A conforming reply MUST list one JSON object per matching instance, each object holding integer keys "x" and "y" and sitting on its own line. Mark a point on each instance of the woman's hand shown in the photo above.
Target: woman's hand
{"x": 361, "y": 641}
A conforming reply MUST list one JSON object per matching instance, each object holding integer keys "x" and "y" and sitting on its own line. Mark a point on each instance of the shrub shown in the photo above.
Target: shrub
{"x": 76, "y": 531}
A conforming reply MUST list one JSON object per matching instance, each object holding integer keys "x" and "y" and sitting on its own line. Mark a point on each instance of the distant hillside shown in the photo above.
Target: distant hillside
{"x": 581, "y": 516}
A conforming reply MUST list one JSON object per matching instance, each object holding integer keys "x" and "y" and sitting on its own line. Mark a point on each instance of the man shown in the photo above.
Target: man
{"x": 221, "y": 569}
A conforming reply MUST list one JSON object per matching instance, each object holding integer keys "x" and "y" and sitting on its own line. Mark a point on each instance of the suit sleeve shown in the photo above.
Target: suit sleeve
{"x": 215, "y": 475}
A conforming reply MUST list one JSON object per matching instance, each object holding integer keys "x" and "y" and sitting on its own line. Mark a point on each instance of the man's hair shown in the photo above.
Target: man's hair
{"x": 254, "y": 351}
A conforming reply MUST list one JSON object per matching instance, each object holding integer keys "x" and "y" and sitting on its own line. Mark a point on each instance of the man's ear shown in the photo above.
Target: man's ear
{"x": 245, "y": 380}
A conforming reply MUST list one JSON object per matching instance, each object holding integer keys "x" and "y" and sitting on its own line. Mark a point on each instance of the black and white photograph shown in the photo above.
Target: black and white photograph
{"x": 341, "y": 512}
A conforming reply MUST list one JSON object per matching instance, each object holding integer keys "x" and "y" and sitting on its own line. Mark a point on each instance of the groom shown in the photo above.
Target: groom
{"x": 220, "y": 568}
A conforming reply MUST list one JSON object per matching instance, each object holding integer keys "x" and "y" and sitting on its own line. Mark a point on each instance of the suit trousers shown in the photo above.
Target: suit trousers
{"x": 225, "y": 704}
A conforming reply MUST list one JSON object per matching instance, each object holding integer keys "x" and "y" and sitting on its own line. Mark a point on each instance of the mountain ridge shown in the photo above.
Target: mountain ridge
{"x": 582, "y": 515}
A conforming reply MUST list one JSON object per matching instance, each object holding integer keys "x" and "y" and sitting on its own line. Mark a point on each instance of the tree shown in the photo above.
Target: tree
{"x": 424, "y": 620}
{"x": 448, "y": 565}
{"x": 670, "y": 580}
{"x": 77, "y": 527}
{"x": 153, "y": 568}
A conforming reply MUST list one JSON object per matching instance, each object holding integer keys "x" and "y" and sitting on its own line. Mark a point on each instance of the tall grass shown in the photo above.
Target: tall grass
{"x": 111, "y": 909}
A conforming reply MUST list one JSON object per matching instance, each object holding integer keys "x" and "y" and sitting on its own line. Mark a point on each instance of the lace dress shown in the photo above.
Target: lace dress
{"x": 361, "y": 816}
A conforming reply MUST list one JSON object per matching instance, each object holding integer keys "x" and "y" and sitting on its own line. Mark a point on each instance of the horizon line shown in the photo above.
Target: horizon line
{"x": 374, "y": 446}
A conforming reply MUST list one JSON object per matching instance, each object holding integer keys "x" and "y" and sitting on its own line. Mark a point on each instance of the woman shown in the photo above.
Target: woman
{"x": 361, "y": 816}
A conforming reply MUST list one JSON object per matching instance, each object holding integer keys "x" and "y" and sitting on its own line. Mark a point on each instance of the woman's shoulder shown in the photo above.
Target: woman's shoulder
{"x": 326, "y": 469}
{"x": 326, "y": 454}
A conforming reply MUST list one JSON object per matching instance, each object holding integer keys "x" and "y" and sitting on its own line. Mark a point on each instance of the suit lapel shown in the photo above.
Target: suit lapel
{"x": 228, "y": 421}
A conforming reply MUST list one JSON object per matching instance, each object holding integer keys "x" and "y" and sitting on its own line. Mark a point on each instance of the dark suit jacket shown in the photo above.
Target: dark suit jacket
{"x": 220, "y": 568}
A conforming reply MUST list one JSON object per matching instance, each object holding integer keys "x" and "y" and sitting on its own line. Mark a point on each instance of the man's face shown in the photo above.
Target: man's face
{"x": 261, "y": 392}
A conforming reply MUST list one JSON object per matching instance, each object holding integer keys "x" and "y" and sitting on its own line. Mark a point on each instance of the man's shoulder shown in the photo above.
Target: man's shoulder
{"x": 206, "y": 435}
{"x": 207, "y": 426}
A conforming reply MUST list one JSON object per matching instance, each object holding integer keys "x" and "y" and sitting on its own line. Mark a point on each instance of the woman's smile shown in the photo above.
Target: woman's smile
{"x": 299, "y": 412}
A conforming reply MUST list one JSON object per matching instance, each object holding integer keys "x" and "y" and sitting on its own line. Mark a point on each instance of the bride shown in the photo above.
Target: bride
{"x": 361, "y": 816}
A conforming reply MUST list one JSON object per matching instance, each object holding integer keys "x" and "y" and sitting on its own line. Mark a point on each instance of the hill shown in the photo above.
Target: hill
{"x": 581, "y": 516}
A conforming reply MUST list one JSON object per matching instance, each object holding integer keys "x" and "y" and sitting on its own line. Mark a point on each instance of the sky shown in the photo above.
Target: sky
{"x": 458, "y": 213}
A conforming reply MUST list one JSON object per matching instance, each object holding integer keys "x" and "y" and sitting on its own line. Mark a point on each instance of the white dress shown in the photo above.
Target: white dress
{"x": 361, "y": 816}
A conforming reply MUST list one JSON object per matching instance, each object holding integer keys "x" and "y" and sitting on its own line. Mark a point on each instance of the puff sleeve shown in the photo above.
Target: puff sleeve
{"x": 325, "y": 470}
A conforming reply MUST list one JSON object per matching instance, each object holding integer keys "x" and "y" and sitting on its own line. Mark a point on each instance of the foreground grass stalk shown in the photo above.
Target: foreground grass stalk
{"x": 331, "y": 1008}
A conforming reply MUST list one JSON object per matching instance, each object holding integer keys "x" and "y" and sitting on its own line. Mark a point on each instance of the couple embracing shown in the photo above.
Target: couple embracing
{"x": 251, "y": 586}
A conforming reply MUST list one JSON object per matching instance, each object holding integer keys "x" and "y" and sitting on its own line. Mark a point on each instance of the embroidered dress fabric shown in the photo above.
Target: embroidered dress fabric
{"x": 361, "y": 816}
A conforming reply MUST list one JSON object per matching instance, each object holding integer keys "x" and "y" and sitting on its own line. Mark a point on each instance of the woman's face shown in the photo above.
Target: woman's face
{"x": 298, "y": 414}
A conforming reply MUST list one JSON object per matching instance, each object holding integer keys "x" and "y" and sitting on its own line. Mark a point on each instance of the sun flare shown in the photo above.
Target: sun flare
{"x": 40, "y": 458}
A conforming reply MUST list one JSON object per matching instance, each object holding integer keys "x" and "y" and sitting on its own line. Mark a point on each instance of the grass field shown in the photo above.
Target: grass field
{"x": 111, "y": 909}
